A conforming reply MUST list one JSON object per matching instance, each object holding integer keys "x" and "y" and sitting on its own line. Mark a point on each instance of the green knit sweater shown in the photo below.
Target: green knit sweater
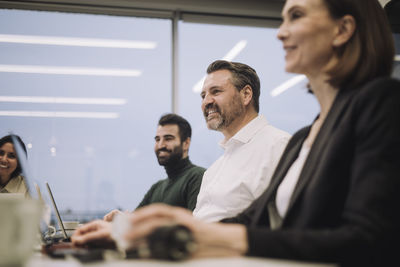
{"x": 179, "y": 189}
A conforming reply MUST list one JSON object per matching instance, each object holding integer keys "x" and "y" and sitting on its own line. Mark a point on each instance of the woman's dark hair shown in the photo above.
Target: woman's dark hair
{"x": 370, "y": 51}
{"x": 8, "y": 139}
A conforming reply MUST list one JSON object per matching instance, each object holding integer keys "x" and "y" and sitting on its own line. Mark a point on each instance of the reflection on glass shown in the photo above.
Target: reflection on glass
{"x": 85, "y": 92}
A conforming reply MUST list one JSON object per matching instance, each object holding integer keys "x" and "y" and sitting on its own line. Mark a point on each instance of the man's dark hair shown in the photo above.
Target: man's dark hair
{"x": 8, "y": 139}
{"x": 185, "y": 131}
{"x": 242, "y": 75}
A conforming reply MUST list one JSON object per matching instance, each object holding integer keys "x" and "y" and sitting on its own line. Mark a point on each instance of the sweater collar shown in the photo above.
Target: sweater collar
{"x": 177, "y": 168}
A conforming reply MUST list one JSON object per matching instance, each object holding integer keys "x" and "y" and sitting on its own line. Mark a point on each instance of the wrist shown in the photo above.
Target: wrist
{"x": 120, "y": 226}
{"x": 229, "y": 239}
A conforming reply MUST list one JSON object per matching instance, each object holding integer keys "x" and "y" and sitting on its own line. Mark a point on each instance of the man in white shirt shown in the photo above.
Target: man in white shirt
{"x": 252, "y": 147}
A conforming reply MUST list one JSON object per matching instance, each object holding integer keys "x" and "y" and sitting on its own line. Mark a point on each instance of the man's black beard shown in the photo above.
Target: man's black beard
{"x": 174, "y": 157}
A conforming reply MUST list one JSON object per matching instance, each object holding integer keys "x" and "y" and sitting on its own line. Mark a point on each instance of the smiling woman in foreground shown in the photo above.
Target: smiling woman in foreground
{"x": 335, "y": 194}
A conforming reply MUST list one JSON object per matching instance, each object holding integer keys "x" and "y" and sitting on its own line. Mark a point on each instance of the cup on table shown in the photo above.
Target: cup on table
{"x": 19, "y": 228}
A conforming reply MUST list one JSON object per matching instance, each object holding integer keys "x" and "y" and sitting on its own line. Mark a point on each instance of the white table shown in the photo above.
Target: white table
{"x": 44, "y": 261}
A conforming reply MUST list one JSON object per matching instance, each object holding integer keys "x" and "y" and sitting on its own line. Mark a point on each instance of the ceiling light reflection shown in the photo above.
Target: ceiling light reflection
{"x": 72, "y": 41}
{"x": 59, "y": 114}
{"x": 235, "y": 50}
{"x": 286, "y": 85}
{"x": 63, "y": 100}
{"x": 229, "y": 57}
{"x": 70, "y": 70}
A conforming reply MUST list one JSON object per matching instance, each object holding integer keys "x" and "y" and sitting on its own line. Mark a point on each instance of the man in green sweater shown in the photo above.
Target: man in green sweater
{"x": 183, "y": 183}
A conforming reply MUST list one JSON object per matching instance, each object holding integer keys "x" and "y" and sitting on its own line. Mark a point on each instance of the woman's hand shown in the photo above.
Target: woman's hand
{"x": 213, "y": 239}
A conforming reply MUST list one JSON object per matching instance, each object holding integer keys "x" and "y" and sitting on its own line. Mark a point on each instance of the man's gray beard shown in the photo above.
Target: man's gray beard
{"x": 215, "y": 125}
{"x": 225, "y": 120}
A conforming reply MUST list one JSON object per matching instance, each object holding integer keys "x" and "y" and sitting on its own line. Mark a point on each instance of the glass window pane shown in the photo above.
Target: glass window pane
{"x": 81, "y": 89}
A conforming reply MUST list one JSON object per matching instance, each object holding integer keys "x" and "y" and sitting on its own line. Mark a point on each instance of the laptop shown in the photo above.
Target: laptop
{"x": 60, "y": 223}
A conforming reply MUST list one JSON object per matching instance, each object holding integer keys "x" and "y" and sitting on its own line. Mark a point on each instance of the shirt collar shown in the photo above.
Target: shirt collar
{"x": 245, "y": 134}
{"x": 12, "y": 185}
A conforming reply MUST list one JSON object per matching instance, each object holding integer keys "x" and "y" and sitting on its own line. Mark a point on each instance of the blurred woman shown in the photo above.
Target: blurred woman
{"x": 335, "y": 194}
{"x": 11, "y": 180}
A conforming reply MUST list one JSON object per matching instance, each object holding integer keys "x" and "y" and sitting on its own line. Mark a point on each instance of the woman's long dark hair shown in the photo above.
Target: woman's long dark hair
{"x": 370, "y": 51}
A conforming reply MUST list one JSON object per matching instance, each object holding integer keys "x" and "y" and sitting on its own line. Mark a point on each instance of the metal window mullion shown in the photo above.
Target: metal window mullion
{"x": 175, "y": 59}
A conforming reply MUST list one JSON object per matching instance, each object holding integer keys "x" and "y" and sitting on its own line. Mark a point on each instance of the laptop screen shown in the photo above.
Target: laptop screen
{"x": 60, "y": 223}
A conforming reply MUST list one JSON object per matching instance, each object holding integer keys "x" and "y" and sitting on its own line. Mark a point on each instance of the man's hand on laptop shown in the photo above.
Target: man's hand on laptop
{"x": 96, "y": 233}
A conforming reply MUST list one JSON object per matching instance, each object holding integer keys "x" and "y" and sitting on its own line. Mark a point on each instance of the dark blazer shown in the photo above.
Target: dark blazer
{"x": 345, "y": 207}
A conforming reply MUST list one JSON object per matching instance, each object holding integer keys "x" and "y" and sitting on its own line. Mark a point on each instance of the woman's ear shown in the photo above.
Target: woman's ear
{"x": 346, "y": 28}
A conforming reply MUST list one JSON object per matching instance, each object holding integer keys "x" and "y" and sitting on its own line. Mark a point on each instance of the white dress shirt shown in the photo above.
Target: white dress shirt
{"x": 242, "y": 173}
{"x": 288, "y": 183}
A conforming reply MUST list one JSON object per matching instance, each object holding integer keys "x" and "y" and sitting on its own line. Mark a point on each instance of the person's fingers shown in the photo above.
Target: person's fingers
{"x": 110, "y": 216}
{"x": 143, "y": 229}
{"x": 145, "y": 220}
{"x": 150, "y": 212}
{"x": 86, "y": 231}
{"x": 100, "y": 235}
{"x": 91, "y": 226}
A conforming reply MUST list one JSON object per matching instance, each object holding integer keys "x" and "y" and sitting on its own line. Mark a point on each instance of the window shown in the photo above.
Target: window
{"x": 81, "y": 92}
{"x": 85, "y": 93}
